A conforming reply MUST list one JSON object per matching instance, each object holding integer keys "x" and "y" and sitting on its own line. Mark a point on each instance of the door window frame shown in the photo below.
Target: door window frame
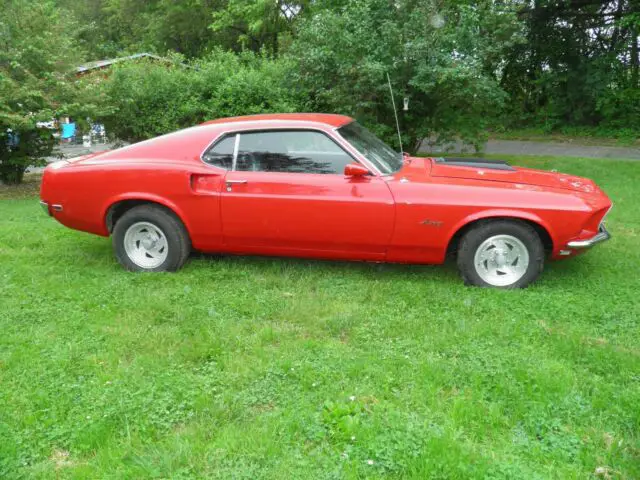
{"x": 338, "y": 140}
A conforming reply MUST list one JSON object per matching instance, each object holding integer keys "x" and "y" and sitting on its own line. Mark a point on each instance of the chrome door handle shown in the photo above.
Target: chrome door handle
{"x": 230, "y": 184}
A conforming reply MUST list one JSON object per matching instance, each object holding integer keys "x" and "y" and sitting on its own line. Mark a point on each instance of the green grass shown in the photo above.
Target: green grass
{"x": 247, "y": 367}
{"x": 578, "y": 135}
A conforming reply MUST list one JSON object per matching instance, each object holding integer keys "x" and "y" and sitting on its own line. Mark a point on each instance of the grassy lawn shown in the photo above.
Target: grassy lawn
{"x": 278, "y": 368}
{"x": 580, "y": 136}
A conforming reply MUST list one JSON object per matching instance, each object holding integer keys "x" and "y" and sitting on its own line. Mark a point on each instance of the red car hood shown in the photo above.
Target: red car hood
{"x": 526, "y": 176}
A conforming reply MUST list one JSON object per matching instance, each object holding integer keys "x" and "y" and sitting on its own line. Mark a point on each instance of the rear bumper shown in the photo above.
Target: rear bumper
{"x": 49, "y": 209}
{"x": 602, "y": 236}
{"x": 45, "y": 207}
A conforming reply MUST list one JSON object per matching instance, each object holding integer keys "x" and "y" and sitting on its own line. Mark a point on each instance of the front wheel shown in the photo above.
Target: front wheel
{"x": 501, "y": 254}
{"x": 149, "y": 238}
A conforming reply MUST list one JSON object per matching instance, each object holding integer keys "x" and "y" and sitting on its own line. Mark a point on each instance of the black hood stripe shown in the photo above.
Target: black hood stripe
{"x": 475, "y": 162}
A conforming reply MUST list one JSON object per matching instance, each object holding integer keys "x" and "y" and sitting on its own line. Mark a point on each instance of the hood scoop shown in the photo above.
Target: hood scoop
{"x": 484, "y": 163}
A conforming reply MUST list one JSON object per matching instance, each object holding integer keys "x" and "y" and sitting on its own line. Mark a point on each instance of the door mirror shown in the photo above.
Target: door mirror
{"x": 355, "y": 170}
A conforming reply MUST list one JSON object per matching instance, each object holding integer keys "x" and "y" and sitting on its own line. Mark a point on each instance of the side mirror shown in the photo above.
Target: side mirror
{"x": 355, "y": 170}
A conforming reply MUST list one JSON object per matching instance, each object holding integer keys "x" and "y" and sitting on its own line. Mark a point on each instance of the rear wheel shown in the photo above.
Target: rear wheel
{"x": 149, "y": 238}
{"x": 501, "y": 254}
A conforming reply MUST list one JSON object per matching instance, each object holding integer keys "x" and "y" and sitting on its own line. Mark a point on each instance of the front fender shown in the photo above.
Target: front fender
{"x": 502, "y": 213}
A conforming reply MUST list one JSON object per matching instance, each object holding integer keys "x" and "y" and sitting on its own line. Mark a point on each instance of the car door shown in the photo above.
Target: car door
{"x": 287, "y": 194}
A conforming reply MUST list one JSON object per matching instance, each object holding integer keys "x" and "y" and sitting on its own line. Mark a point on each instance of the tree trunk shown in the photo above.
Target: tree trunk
{"x": 635, "y": 61}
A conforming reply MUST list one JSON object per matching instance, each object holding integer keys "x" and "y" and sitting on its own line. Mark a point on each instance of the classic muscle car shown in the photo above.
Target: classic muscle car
{"x": 322, "y": 186}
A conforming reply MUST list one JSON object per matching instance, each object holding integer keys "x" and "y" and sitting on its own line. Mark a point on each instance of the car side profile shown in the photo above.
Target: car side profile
{"x": 322, "y": 186}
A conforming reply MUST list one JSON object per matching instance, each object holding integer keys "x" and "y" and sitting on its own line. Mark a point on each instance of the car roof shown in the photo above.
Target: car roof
{"x": 329, "y": 119}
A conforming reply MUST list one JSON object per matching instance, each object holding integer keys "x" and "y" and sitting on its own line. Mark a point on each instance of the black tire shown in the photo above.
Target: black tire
{"x": 178, "y": 241}
{"x": 474, "y": 238}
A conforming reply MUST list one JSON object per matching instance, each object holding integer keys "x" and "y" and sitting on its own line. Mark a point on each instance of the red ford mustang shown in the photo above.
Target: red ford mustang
{"x": 322, "y": 186}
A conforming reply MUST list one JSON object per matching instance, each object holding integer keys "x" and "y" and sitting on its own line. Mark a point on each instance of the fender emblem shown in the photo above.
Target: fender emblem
{"x": 432, "y": 223}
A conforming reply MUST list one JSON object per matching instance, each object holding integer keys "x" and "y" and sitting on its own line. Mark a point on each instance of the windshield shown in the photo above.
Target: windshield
{"x": 385, "y": 158}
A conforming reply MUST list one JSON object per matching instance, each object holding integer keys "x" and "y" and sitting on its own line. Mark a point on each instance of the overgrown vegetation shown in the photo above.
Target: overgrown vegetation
{"x": 546, "y": 64}
{"x": 578, "y": 66}
{"x": 465, "y": 67}
{"x": 247, "y": 367}
{"x": 441, "y": 57}
{"x": 143, "y": 100}
{"x": 35, "y": 54}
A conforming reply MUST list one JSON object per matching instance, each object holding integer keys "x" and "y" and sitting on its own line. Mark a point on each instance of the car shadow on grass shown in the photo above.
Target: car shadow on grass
{"x": 572, "y": 272}
{"x": 257, "y": 262}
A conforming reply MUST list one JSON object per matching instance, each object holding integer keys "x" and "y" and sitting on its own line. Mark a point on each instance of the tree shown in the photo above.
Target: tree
{"x": 111, "y": 28}
{"x": 579, "y": 65}
{"x": 35, "y": 54}
{"x": 444, "y": 57}
{"x": 260, "y": 24}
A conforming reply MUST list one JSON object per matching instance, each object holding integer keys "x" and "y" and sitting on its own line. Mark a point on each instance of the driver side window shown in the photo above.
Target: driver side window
{"x": 291, "y": 151}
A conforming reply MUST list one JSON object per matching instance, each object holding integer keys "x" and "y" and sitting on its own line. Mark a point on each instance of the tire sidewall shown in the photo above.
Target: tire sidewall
{"x": 475, "y": 237}
{"x": 161, "y": 220}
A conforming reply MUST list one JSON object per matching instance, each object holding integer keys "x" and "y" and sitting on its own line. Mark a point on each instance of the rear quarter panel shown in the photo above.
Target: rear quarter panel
{"x": 87, "y": 190}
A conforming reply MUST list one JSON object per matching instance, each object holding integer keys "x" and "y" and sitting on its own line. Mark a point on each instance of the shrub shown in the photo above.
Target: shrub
{"x": 35, "y": 53}
{"x": 142, "y": 100}
{"x": 21, "y": 149}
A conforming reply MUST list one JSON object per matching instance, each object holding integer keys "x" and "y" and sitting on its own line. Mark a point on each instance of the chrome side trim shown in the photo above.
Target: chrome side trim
{"x": 330, "y": 132}
{"x": 236, "y": 147}
{"x": 602, "y": 236}
{"x": 57, "y": 207}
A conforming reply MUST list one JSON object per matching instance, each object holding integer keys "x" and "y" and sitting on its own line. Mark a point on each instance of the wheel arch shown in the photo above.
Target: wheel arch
{"x": 540, "y": 226}
{"x": 120, "y": 205}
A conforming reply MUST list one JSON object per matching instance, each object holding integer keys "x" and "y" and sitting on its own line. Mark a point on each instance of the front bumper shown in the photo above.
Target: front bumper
{"x": 602, "y": 236}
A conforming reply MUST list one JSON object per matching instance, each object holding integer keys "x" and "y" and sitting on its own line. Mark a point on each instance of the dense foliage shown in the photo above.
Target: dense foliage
{"x": 464, "y": 66}
{"x": 442, "y": 59}
{"x": 35, "y": 53}
{"x": 143, "y": 100}
{"x": 579, "y": 65}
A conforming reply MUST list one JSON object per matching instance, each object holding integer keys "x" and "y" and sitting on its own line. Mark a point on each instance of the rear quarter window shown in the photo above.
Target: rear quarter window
{"x": 220, "y": 154}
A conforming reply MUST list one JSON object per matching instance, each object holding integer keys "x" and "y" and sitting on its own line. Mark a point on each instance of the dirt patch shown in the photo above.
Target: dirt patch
{"x": 29, "y": 188}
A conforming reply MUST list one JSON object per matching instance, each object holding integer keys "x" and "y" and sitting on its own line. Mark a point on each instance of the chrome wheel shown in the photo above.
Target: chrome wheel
{"x": 146, "y": 245}
{"x": 501, "y": 260}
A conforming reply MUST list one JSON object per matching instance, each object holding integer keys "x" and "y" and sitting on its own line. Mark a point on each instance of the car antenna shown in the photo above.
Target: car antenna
{"x": 395, "y": 112}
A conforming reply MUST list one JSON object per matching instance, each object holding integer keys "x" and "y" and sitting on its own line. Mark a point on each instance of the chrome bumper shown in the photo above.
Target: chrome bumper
{"x": 45, "y": 207}
{"x": 602, "y": 236}
{"x": 48, "y": 208}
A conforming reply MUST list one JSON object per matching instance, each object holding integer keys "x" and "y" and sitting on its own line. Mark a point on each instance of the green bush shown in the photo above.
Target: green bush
{"x": 145, "y": 99}
{"x": 620, "y": 110}
{"x": 31, "y": 147}
{"x": 441, "y": 59}
{"x": 35, "y": 54}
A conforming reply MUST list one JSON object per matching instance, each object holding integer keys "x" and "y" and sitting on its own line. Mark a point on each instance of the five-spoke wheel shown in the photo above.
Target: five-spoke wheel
{"x": 146, "y": 245}
{"x": 150, "y": 238}
{"x": 501, "y": 253}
